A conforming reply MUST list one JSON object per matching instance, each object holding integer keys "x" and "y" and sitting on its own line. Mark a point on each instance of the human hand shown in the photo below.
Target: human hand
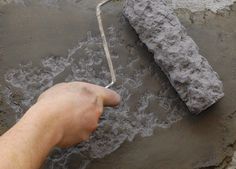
{"x": 63, "y": 116}
{"x": 75, "y": 109}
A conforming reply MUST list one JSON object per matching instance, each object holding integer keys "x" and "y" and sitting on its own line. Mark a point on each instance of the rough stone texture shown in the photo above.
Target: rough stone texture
{"x": 176, "y": 53}
{"x": 201, "y": 5}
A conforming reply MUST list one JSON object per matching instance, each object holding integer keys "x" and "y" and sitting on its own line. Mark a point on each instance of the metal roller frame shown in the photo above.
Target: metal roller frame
{"x": 105, "y": 44}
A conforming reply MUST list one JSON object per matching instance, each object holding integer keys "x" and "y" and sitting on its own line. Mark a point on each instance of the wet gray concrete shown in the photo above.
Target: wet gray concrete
{"x": 46, "y": 42}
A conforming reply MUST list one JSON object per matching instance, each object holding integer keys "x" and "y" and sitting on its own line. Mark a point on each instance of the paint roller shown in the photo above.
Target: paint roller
{"x": 197, "y": 84}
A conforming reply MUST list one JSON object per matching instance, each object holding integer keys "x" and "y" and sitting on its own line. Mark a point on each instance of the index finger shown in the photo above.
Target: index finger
{"x": 109, "y": 97}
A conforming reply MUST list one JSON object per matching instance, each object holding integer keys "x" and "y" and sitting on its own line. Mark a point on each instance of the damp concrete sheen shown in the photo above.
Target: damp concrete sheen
{"x": 86, "y": 62}
{"x": 116, "y": 125}
{"x": 56, "y": 41}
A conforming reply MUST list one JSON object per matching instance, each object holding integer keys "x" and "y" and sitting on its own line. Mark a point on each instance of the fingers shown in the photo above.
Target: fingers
{"x": 109, "y": 97}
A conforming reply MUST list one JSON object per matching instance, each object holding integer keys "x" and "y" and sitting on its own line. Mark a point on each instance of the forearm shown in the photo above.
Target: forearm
{"x": 63, "y": 116}
{"x": 27, "y": 144}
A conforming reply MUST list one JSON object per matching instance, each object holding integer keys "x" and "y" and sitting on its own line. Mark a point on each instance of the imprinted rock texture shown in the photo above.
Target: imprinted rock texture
{"x": 176, "y": 53}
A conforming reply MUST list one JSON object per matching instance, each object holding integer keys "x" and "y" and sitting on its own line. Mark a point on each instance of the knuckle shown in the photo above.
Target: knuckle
{"x": 85, "y": 89}
{"x": 87, "y": 92}
{"x": 99, "y": 111}
{"x": 94, "y": 99}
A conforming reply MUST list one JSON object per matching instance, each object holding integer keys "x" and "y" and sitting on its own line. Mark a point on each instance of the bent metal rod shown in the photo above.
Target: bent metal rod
{"x": 105, "y": 44}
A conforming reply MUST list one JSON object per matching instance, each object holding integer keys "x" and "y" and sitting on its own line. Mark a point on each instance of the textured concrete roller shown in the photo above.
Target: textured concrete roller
{"x": 176, "y": 53}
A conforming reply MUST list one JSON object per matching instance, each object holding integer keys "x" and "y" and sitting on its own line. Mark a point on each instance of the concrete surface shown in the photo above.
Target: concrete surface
{"x": 35, "y": 39}
{"x": 201, "y": 5}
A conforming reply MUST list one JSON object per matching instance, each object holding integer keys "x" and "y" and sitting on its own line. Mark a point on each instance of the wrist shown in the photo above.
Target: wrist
{"x": 45, "y": 123}
{"x": 33, "y": 137}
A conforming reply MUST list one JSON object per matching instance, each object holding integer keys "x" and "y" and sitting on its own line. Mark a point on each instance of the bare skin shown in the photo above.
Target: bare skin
{"x": 63, "y": 116}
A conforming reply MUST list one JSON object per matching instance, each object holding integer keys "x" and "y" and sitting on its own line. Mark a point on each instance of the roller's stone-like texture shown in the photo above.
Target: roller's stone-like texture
{"x": 175, "y": 52}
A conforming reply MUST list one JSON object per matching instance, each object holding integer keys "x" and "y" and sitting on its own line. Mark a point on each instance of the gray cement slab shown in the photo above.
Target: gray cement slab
{"x": 152, "y": 128}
